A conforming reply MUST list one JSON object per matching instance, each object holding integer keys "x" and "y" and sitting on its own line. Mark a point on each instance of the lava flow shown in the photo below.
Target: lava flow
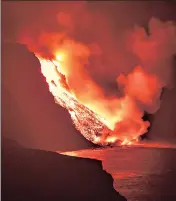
{"x": 91, "y": 125}
{"x": 102, "y": 120}
{"x": 106, "y": 120}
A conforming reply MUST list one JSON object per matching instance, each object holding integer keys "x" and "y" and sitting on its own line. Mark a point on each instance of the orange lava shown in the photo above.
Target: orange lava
{"x": 100, "y": 119}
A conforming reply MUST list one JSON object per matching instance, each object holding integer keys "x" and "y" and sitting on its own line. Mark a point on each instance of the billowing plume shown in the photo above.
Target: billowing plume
{"x": 139, "y": 63}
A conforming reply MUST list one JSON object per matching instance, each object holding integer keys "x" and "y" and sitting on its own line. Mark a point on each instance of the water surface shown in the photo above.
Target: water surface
{"x": 139, "y": 173}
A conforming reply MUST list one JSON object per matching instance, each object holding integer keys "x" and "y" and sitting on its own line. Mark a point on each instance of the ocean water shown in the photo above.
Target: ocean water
{"x": 139, "y": 173}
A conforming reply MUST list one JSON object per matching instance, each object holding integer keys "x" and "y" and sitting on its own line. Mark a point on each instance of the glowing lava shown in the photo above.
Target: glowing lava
{"x": 86, "y": 121}
{"x": 107, "y": 120}
{"x": 100, "y": 119}
{"x": 121, "y": 124}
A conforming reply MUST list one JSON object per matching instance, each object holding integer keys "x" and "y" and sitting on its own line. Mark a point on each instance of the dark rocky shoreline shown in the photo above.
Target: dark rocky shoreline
{"x": 29, "y": 174}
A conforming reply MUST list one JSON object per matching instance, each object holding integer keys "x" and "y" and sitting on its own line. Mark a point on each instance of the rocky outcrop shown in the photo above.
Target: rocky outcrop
{"x": 29, "y": 174}
{"x": 29, "y": 113}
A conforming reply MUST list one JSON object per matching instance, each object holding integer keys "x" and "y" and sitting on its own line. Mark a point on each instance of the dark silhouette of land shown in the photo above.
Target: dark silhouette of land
{"x": 29, "y": 174}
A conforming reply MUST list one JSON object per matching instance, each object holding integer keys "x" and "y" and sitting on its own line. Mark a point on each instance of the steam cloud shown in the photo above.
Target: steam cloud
{"x": 139, "y": 64}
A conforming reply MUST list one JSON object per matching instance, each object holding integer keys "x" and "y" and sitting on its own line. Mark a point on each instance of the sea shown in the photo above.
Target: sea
{"x": 139, "y": 173}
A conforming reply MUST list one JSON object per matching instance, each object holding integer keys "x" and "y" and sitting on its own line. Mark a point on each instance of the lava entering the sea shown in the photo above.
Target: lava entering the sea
{"x": 104, "y": 121}
{"x": 107, "y": 120}
{"x": 90, "y": 124}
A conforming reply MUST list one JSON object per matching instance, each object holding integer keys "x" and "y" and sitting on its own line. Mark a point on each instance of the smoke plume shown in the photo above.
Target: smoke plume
{"x": 93, "y": 52}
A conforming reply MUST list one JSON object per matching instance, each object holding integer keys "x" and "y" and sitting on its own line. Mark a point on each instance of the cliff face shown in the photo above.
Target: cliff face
{"x": 29, "y": 114}
{"x": 39, "y": 175}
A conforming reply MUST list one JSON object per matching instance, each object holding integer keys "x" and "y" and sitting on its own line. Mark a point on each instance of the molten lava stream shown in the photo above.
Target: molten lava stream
{"x": 90, "y": 124}
{"x": 86, "y": 121}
